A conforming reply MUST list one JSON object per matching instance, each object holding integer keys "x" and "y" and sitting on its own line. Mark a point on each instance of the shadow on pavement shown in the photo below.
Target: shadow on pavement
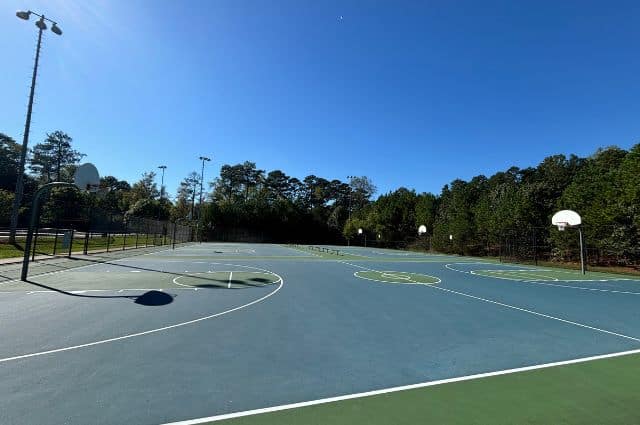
{"x": 149, "y": 298}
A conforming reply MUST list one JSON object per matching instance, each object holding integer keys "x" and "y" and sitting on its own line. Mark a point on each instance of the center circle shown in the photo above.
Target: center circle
{"x": 227, "y": 279}
{"x": 390, "y": 276}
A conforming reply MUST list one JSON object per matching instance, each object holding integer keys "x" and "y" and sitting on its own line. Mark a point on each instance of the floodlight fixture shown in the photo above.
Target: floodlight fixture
{"x": 41, "y": 24}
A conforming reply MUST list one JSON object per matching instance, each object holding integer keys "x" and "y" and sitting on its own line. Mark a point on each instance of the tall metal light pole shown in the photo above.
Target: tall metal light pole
{"x": 162, "y": 167}
{"x": 350, "y": 192}
{"x": 17, "y": 200}
{"x": 198, "y": 229}
{"x": 203, "y": 159}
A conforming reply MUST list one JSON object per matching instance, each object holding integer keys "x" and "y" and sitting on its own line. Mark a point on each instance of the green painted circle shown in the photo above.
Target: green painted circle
{"x": 227, "y": 279}
{"x": 397, "y": 277}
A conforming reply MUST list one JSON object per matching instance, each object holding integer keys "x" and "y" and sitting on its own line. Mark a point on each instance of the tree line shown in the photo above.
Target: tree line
{"x": 476, "y": 217}
{"x": 480, "y": 216}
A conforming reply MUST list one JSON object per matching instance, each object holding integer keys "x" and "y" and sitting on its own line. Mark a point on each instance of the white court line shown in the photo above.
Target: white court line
{"x": 473, "y": 272}
{"x": 151, "y": 331}
{"x": 357, "y": 266}
{"x": 581, "y": 325}
{"x": 401, "y": 276}
{"x": 535, "y": 274}
{"x": 581, "y": 288}
{"x": 79, "y": 291}
{"x": 517, "y": 274}
{"x": 535, "y": 313}
{"x": 508, "y": 270}
{"x": 410, "y": 282}
{"x": 112, "y": 262}
{"x": 400, "y": 388}
{"x": 260, "y": 271}
{"x": 538, "y": 282}
{"x": 175, "y": 280}
{"x": 386, "y": 281}
{"x": 52, "y": 273}
{"x": 449, "y": 266}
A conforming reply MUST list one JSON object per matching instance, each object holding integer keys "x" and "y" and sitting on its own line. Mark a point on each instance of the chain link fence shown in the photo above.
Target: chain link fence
{"x": 81, "y": 230}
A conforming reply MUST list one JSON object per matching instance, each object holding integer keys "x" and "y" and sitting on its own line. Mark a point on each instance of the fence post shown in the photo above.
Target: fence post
{"x": 108, "y": 232}
{"x": 173, "y": 239}
{"x": 55, "y": 242}
{"x": 86, "y": 241}
{"x": 146, "y": 241}
{"x": 35, "y": 243}
{"x": 124, "y": 240}
{"x": 583, "y": 259}
{"x": 71, "y": 243}
{"x": 137, "y": 235}
{"x": 535, "y": 248}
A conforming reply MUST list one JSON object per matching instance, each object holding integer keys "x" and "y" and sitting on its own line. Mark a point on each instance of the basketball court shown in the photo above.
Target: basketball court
{"x": 203, "y": 330}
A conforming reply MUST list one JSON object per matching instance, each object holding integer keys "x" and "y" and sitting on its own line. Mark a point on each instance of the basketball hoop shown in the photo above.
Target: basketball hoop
{"x": 568, "y": 218}
{"x": 86, "y": 178}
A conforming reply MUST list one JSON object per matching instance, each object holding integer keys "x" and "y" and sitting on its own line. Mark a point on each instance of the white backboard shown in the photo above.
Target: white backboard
{"x": 571, "y": 218}
{"x": 86, "y": 177}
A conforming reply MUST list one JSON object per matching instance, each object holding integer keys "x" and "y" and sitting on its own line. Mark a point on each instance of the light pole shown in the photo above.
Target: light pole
{"x": 162, "y": 167}
{"x": 198, "y": 230}
{"x": 350, "y": 192}
{"x": 203, "y": 159}
{"x": 40, "y": 23}
{"x": 349, "y": 218}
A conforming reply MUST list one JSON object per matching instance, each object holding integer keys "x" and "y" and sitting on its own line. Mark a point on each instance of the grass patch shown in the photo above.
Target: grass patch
{"x": 597, "y": 392}
{"x": 45, "y": 245}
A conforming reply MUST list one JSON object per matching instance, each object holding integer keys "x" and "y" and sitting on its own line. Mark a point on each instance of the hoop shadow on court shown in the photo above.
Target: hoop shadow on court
{"x": 207, "y": 282}
{"x": 151, "y": 298}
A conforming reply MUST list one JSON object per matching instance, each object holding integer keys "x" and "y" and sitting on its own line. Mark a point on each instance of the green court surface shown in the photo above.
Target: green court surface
{"x": 550, "y": 274}
{"x": 227, "y": 279}
{"x": 596, "y": 392}
{"x": 390, "y": 276}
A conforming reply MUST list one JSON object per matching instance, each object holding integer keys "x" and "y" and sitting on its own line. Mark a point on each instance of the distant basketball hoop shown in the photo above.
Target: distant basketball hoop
{"x": 568, "y": 218}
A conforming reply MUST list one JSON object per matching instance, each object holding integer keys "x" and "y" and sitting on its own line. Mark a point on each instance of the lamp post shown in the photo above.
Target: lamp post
{"x": 349, "y": 209}
{"x": 162, "y": 167}
{"x": 40, "y": 23}
{"x": 193, "y": 199}
{"x": 350, "y": 192}
{"x": 203, "y": 159}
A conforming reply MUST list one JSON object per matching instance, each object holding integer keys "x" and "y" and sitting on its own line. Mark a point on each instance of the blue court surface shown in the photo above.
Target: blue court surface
{"x": 216, "y": 328}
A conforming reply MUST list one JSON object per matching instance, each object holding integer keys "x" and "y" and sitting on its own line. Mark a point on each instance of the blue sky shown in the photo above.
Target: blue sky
{"x": 412, "y": 94}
